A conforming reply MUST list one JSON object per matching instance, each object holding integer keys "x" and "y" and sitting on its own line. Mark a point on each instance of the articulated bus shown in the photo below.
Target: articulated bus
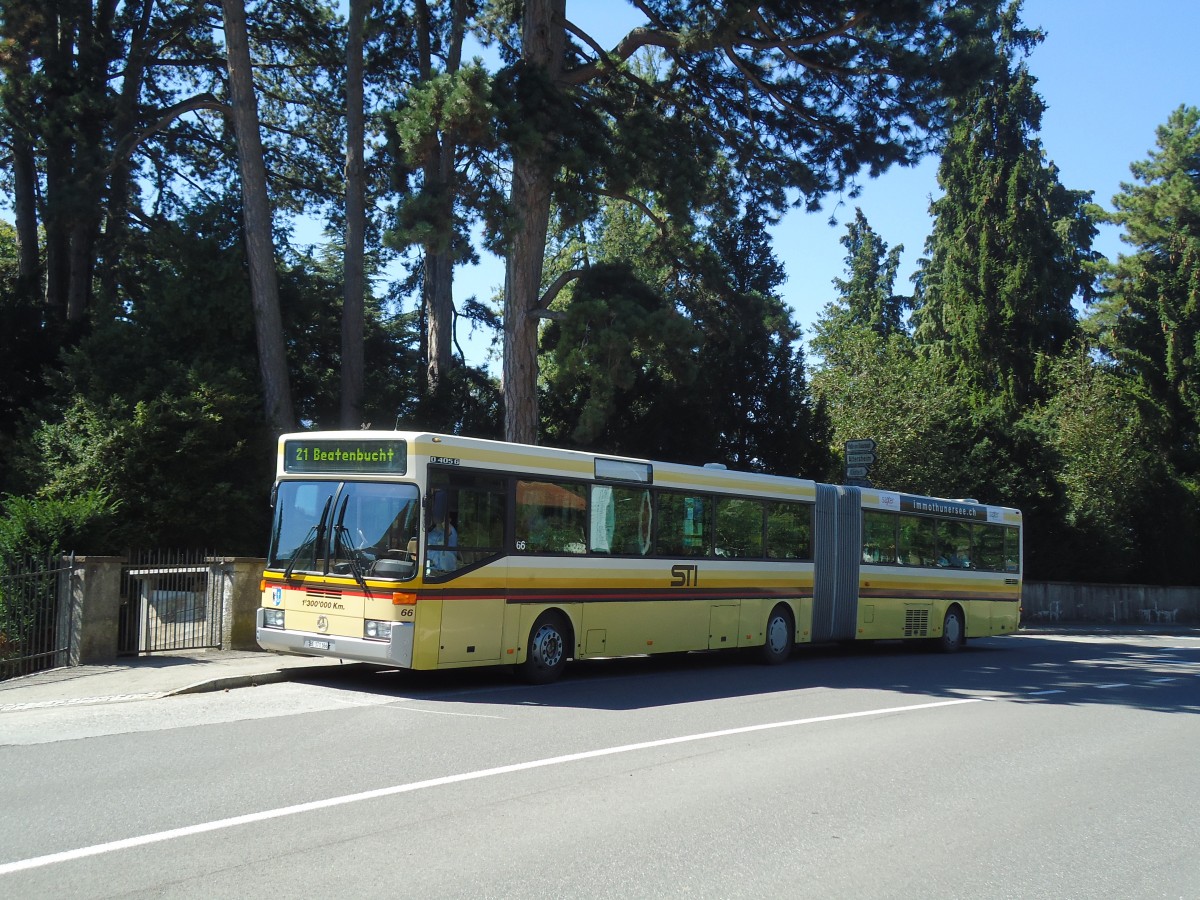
{"x": 428, "y": 551}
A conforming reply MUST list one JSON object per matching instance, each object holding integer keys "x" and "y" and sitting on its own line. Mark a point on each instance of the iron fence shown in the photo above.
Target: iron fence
{"x": 35, "y": 626}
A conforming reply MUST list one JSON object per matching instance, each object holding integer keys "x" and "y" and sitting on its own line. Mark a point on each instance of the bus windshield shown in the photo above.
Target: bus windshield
{"x": 361, "y": 529}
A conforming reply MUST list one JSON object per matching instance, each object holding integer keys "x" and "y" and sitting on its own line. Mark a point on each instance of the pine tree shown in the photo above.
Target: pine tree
{"x": 675, "y": 343}
{"x": 797, "y": 97}
{"x": 1156, "y": 289}
{"x": 441, "y": 146}
{"x": 1010, "y": 245}
{"x": 867, "y": 297}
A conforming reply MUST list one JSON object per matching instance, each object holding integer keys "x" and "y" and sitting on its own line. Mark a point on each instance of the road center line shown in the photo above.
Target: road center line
{"x": 314, "y": 805}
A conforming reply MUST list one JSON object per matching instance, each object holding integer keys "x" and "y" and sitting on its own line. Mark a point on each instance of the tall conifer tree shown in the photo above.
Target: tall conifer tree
{"x": 866, "y": 296}
{"x": 1156, "y": 289}
{"x": 1010, "y": 245}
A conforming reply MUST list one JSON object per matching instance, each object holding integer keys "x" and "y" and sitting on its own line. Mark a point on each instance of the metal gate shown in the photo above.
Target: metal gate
{"x": 170, "y": 600}
{"x": 35, "y": 630}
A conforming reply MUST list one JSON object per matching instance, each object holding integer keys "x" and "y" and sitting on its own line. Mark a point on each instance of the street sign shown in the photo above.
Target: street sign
{"x": 860, "y": 456}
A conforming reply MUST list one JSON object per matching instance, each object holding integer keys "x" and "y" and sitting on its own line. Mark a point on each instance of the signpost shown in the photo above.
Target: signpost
{"x": 860, "y": 456}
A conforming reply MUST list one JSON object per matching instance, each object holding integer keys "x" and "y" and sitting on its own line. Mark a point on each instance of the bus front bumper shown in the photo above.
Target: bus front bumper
{"x": 396, "y": 652}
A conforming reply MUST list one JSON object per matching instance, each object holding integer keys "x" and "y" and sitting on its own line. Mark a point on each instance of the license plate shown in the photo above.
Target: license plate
{"x": 318, "y": 645}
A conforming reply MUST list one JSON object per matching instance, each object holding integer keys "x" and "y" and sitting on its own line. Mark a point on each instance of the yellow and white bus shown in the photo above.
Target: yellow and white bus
{"x": 429, "y": 551}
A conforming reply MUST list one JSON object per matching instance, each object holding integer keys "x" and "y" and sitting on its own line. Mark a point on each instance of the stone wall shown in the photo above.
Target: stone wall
{"x": 1047, "y": 602}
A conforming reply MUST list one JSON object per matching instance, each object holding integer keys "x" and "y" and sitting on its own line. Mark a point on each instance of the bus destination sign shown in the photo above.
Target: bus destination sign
{"x": 316, "y": 456}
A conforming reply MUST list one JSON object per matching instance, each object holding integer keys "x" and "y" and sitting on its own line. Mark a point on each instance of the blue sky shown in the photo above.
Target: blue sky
{"x": 1110, "y": 73}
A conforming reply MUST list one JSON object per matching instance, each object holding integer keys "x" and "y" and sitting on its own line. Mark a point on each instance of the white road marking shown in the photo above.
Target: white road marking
{"x": 314, "y": 805}
{"x": 80, "y": 701}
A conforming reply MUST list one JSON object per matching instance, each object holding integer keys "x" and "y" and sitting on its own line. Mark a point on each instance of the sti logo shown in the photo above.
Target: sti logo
{"x": 277, "y": 596}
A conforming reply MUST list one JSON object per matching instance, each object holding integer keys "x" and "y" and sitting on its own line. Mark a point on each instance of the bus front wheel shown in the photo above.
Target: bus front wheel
{"x": 549, "y": 647}
{"x": 781, "y": 637}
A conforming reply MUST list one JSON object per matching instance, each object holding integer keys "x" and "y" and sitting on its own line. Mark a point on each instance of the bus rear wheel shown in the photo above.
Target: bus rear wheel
{"x": 548, "y": 649}
{"x": 781, "y": 636}
{"x": 954, "y": 632}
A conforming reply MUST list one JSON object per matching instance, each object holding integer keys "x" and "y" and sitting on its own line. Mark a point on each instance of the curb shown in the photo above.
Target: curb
{"x": 230, "y": 683}
{"x": 1111, "y": 630}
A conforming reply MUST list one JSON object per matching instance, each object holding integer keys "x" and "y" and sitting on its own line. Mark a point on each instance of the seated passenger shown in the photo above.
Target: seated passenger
{"x": 440, "y": 555}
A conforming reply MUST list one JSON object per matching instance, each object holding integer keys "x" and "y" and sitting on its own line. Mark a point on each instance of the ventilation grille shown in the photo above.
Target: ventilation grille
{"x": 916, "y": 623}
{"x": 319, "y": 594}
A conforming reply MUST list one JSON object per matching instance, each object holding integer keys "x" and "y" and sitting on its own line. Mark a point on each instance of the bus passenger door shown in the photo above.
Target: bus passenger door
{"x": 465, "y": 564}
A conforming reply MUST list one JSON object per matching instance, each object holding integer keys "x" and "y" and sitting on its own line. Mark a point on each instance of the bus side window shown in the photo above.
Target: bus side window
{"x": 739, "y": 528}
{"x": 465, "y": 523}
{"x": 684, "y": 525}
{"x": 918, "y": 540}
{"x": 789, "y": 530}
{"x": 879, "y": 537}
{"x": 551, "y": 517}
{"x": 1012, "y": 550}
{"x": 621, "y": 520}
{"x": 989, "y": 547}
{"x": 954, "y": 545}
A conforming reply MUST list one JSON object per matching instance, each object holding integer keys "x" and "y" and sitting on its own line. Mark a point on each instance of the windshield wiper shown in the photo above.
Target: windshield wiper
{"x": 342, "y": 538}
{"x": 315, "y": 533}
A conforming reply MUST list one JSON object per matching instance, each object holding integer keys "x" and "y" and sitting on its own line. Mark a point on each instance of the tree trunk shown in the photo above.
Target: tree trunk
{"x": 80, "y": 262}
{"x": 353, "y": 317}
{"x": 543, "y": 44}
{"x": 440, "y": 179}
{"x": 112, "y": 243}
{"x": 56, "y": 238}
{"x": 439, "y": 316}
{"x": 19, "y": 114}
{"x": 25, "y": 209}
{"x": 260, "y": 248}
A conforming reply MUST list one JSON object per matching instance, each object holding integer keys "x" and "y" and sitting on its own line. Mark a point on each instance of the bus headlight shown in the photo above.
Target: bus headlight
{"x": 273, "y": 618}
{"x": 377, "y": 631}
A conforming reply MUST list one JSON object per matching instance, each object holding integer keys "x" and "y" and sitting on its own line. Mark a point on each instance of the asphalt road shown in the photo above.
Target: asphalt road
{"x": 1024, "y": 767}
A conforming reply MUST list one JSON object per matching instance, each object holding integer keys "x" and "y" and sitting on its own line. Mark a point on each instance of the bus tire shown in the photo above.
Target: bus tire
{"x": 954, "y": 632}
{"x": 780, "y": 636}
{"x": 548, "y": 649}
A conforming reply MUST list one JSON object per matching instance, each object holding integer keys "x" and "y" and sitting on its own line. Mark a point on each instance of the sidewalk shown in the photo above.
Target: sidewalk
{"x": 150, "y": 677}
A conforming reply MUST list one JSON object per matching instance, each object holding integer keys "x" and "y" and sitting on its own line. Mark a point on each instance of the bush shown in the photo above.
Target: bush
{"x": 38, "y": 528}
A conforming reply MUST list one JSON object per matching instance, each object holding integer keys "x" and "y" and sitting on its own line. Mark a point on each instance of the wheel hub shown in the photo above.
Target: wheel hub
{"x": 777, "y": 634}
{"x": 548, "y": 646}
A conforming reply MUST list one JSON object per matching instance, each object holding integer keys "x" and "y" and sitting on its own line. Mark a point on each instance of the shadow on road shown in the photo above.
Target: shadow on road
{"x": 1158, "y": 673}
